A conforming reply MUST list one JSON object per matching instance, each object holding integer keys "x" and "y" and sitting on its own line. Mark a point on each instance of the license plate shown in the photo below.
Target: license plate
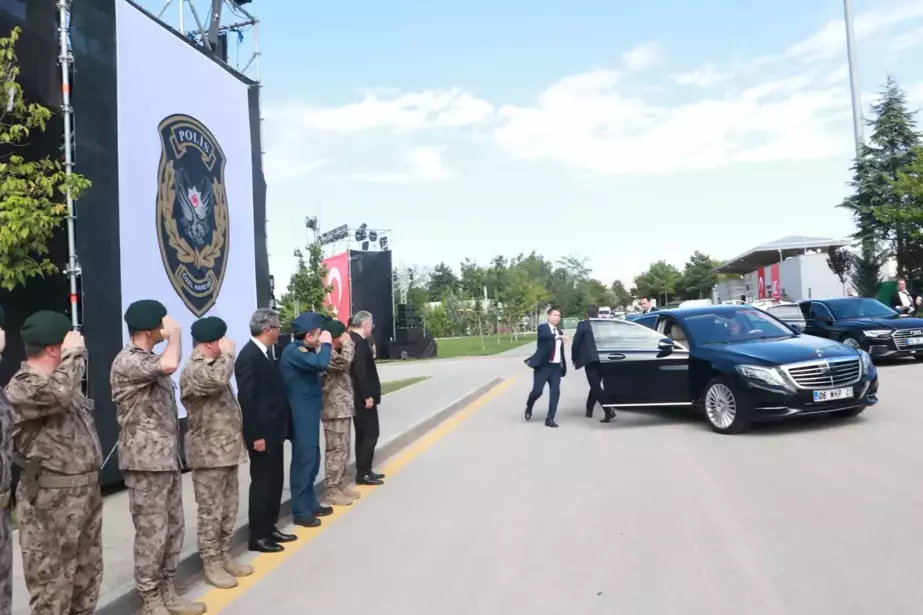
{"x": 914, "y": 341}
{"x": 833, "y": 394}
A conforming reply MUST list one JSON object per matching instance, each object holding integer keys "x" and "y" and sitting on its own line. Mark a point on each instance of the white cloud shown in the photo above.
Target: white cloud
{"x": 703, "y": 77}
{"x": 452, "y": 108}
{"x": 906, "y": 40}
{"x": 424, "y": 165}
{"x": 915, "y": 95}
{"x": 281, "y": 166}
{"x": 642, "y": 57}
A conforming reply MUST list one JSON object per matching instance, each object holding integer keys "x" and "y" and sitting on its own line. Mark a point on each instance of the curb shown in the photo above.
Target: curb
{"x": 189, "y": 568}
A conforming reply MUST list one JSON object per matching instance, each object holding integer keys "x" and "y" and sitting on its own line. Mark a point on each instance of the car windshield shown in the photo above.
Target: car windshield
{"x": 859, "y": 307}
{"x": 624, "y": 335}
{"x": 727, "y": 327}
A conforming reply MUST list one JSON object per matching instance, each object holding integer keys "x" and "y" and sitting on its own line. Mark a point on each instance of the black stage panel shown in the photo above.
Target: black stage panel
{"x": 370, "y": 290}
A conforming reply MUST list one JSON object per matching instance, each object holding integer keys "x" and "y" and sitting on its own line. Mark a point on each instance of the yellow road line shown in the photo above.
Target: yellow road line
{"x": 218, "y": 599}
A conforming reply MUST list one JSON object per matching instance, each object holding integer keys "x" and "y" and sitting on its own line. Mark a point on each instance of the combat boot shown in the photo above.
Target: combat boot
{"x": 235, "y": 568}
{"x": 215, "y": 574}
{"x": 350, "y": 493}
{"x": 338, "y": 498}
{"x": 176, "y": 605}
{"x": 153, "y": 603}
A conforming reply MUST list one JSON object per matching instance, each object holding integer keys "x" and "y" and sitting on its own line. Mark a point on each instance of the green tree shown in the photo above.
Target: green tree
{"x": 840, "y": 262}
{"x": 442, "y": 279}
{"x": 32, "y": 192}
{"x": 307, "y": 288}
{"x": 866, "y": 271}
{"x": 437, "y": 322}
{"x": 621, "y": 297}
{"x": 473, "y": 279}
{"x": 659, "y": 281}
{"x": 699, "y": 277}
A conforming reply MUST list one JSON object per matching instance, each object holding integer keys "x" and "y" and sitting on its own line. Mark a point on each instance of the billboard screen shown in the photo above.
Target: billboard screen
{"x": 186, "y": 210}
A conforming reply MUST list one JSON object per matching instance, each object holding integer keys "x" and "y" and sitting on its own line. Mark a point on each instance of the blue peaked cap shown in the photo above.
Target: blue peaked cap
{"x": 307, "y": 322}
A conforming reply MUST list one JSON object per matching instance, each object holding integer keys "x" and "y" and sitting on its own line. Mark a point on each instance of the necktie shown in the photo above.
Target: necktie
{"x": 269, "y": 354}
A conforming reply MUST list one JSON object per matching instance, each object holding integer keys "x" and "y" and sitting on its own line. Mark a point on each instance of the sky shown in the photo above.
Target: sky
{"x": 619, "y": 132}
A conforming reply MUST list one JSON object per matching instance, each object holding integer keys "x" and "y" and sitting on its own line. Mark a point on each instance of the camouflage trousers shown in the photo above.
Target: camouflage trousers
{"x": 6, "y": 563}
{"x": 337, "y": 433}
{"x": 156, "y": 503}
{"x": 217, "y": 495}
{"x": 60, "y": 534}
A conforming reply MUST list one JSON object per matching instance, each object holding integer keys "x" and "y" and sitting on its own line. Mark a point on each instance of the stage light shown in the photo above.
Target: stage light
{"x": 373, "y": 236}
{"x": 383, "y": 242}
{"x": 360, "y": 232}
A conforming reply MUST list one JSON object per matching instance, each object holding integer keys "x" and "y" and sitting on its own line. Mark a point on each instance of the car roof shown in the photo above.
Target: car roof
{"x": 718, "y": 310}
{"x": 836, "y": 299}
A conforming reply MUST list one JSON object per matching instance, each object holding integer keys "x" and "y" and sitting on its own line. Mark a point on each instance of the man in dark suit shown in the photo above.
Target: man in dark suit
{"x": 548, "y": 366}
{"x": 261, "y": 393}
{"x": 903, "y": 300}
{"x": 584, "y": 355}
{"x": 646, "y": 306}
{"x": 367, "y": 391}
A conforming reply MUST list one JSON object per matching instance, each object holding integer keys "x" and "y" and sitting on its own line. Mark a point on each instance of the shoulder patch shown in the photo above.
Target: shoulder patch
{"x": 302, "y": 349}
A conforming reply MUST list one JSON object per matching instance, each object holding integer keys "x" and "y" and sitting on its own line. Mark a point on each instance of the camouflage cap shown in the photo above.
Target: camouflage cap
{"x": 335, "y": 327}
{"x": 209, "y": 329}
{"x": 145, "y": 315}
{"x": 307, "y": 322}
{"x": 45, "y": 328}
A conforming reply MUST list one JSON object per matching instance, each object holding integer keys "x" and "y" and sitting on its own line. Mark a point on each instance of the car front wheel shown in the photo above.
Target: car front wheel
{"x": 852, "y": 342}
{"x": 726, "y": 411}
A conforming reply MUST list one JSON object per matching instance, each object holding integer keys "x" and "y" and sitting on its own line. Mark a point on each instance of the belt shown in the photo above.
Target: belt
{"x": 4, "y": 499}
{"x": 66, "y": 481}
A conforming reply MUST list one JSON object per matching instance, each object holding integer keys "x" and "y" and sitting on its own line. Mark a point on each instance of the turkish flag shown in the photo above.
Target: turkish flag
{"x": 338, "y": 300}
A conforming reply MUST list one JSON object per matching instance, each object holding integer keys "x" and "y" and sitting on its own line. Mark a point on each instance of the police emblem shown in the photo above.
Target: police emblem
{"x": 192, "y": 211}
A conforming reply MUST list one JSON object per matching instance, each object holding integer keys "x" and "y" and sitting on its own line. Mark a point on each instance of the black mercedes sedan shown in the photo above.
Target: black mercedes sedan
{"x": 864, "y": 323}
{"x": 736, "y": 363}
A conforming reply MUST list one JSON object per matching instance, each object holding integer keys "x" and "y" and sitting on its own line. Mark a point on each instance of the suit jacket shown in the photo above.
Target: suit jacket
{"x": 261, "y": 394}
{"x": 364, "y": 373}
{"x": 544, "y": 348}
{"x": 653, "y": 309}
{"x": 896, "y": 302}
{"x": 583, "y": 352}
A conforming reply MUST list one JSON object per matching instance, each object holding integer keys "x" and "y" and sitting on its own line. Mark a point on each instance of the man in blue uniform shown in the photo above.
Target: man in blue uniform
{"x": 303, "y": 362}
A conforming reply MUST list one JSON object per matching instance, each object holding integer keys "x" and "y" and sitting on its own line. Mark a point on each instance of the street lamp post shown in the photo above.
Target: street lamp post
{"x": 854, "y": 79}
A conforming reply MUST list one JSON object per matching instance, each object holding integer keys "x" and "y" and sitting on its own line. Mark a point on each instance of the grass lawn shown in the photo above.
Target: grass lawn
{"x": 397, "y": 385}
{"x": 450, "y": 347}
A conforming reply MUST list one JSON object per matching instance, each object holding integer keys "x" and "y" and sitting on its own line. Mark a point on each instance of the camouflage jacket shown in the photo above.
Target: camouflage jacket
{"x": 145, "y": 403}
{"x": 52, "y": 418}
{"x": 6, "y": 444}
{"x": 215, "y": 438}
{"x": 338, "y": 384}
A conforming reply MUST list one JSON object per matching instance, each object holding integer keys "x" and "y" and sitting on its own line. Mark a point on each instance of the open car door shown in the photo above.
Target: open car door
{"x": 640, "y": 367}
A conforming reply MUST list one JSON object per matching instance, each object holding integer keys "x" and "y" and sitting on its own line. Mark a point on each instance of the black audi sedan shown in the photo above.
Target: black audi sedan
{"x": 864, "y": 323}
{"x": 736, "y": 363}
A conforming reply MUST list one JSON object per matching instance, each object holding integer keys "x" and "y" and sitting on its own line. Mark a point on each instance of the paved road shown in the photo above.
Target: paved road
{"x": 652, "y": 514}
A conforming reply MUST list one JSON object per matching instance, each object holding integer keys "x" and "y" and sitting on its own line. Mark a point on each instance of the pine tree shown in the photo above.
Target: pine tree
{"x": 866, "y": 271}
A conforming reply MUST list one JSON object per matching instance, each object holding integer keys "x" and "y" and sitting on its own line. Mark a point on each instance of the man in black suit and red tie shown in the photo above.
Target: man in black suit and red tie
{"x": 266, "y": 414}
{"x": 549, "y": 366}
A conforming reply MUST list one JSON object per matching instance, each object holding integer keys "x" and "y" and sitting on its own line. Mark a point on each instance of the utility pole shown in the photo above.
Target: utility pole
{"x": 857, "y": 118}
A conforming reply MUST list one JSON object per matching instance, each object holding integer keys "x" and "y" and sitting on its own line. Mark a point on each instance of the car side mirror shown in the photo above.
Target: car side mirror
{"x": 666, "y": 344}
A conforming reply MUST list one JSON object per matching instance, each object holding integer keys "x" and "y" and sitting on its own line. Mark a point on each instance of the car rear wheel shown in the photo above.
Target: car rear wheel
{"x": 848, "y": 414}
{"x": 725, "y": 410}
{"x": 851, "y": 342}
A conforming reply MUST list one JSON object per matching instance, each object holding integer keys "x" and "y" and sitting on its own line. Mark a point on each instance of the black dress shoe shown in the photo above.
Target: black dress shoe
{"x": 265, "y": 545}
{"x": 550, "y": 423}
{"x": 309, "y": 521}
{"x": 376, "y": 475}
{"x": 368, "y": 480}
{"x": 528, "y": 414}
{"x": 324, "y": 511}
{"x": 589, "y": 413}
{"x": 610, "y": 414}
{"x": 282, "y": 536}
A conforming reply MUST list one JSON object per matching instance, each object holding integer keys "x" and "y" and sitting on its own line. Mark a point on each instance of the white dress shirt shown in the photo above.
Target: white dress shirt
{"x": 557, "y": 356}
{"x": 905, "y": 298}
{"x": 261, "y": 346}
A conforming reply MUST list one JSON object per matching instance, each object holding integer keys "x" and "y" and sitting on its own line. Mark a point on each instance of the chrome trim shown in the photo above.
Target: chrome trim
{"x": 667, "y": 404}
{"x": 824, "y": 377}
{"x": 900, "y": 336}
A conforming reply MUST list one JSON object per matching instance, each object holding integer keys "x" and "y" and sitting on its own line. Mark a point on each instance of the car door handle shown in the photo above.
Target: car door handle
{"x": 615, "y": 357}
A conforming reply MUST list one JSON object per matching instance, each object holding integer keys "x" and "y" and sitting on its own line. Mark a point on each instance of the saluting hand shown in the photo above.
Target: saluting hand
{"x": 170, "y": 327}
{"x": 2, "y": 340}
{"x": 325, "y": 337}
{"x": 73, "y": 341}
{"x": 226, "y": 345}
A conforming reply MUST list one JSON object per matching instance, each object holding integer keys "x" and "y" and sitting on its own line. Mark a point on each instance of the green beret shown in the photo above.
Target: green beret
{"x": 335, "y": 327}
{"x": 145, "y": 315}
{"x": 45, "y": 328}
{"x": 209, "y": 329}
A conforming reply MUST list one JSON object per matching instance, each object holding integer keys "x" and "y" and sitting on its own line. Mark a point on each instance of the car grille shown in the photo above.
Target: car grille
{"x": 901, "y": 337}
{"x": 824, "y": 374}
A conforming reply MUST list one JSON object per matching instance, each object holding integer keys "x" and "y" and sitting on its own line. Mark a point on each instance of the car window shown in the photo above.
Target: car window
{"x": 819, "y": 311}
{"x": 786, "y": 312}
{"x": 726, "y": 327}
{"x": 624, "y": 335}
{"x": 860, "y": 307}
{"x": 649, "y": 321}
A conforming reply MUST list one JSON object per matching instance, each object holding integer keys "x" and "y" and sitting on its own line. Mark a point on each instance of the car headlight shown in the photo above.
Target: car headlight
{"x": 877, "y": 332}
{"x": 764, "y": 376}
{"x": 867, "y": 365}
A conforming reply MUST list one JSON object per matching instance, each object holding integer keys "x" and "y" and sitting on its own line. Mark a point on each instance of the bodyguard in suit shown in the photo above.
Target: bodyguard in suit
{"x": 367, "y": 395}
{"x": 261, "y": 393}
{"x": 646, "y": 306}
{"x": 903, "y": 300}
{"x": 303, "y": 362}
{"x": 584, "y": 355}
{"x": 549, "y": 366}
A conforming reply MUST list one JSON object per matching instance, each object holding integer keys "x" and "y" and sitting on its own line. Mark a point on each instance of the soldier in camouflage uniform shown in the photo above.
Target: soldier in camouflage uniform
{"x": 337, "y": 415}
{"x": 214, "y": 447}
{"x": 149, "y": 456}
{"x": 59, "y": 505}
{"x": 6, "y": 463}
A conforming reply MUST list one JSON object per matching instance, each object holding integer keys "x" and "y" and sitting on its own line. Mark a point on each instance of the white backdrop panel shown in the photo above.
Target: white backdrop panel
{"x": 160, "y": 76}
